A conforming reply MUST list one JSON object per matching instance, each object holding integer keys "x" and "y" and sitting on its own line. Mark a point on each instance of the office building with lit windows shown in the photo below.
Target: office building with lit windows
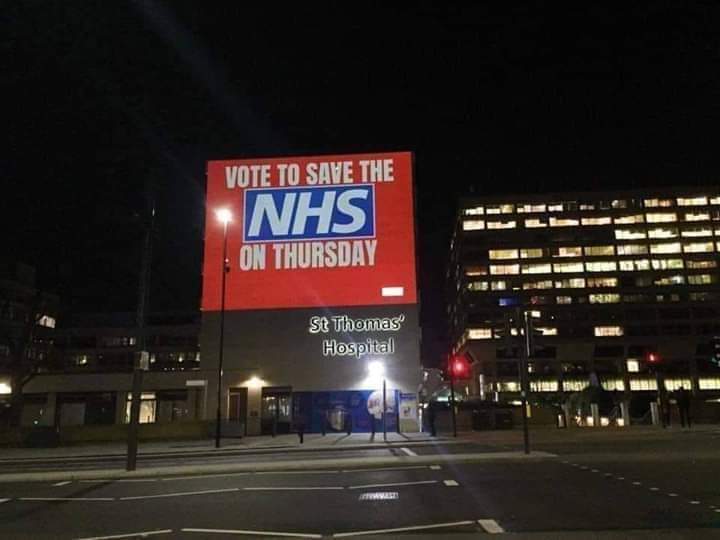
{"x": 611, "y": 278}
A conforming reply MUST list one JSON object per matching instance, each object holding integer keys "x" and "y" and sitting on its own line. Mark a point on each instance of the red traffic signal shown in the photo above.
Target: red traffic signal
{"x": 459, "y": 366}
{"x": 653, "y": 358}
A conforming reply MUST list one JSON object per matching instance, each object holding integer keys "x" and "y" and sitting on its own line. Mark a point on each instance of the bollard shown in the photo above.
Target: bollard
{"x": 625, "y": 413}
{"x": 595, "y": 412}
{"x": 655, "y": 413}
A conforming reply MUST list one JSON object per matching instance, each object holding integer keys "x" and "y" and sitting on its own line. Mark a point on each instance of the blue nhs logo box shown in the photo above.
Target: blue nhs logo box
{"x": 308, "y": 213}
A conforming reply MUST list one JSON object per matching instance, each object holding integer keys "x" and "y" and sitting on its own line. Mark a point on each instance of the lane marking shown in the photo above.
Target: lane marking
{"x": 252, "y": 533}
{"x": 65, "y": 483}
{"x": 66, "y": 499}
{"x": 4, "y": 500}
{"x": 129, "y": 535}
{"x": 451, "y": 483}
{"x": 694, "y": 502}
{"x": 637, "y": 483}
{"x": 420, "y": 482}
{"x": 717, "y": 510}
{"x": 621, "y": 478}
{"x": 595, "y": 470}
{"x": 491, "y": 526}
{"x": 672, "y": 494}
{"x": 654, "y": 489}
{"x": 584, "y": 468}
{"x": 180, "y": 494}
{"x": 435, "y": 467}
{"x": 402, "y": 529}
{"x": 294, "y": 488}
{"x": 408, "y": 451}
{"x": 608, "y": 474}
{"x": 386, "y": 469}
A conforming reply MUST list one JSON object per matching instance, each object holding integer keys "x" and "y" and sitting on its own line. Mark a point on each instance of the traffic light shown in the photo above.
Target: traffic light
{"x": 653, "y": 358}
{"x": 459, "y": 367}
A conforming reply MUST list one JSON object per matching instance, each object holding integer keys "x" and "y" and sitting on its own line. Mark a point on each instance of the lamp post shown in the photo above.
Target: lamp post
{"x": 224, "y": 216}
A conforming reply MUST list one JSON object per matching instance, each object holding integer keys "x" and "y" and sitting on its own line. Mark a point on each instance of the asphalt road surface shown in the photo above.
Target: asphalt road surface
{"x": 644, "y": 488}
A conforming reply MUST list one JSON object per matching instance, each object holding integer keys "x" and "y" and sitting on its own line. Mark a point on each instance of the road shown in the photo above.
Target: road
{"x": 651, "y": 487}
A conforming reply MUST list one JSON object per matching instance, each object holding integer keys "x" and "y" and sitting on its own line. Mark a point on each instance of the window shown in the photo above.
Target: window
{"x": 609, "y": 331}
{"x": 479, "y": 333}
{"x": 604, "y": 220}
{"x": 673, "y": 247}
{"x": 572, "y": 283}
{"x": 529, "y": 208}
{"x": 619, "y": 203}
{"x": 501, "y": 269}
{"x": 663, "y": 232}
{"x": 587, "y": 206}
{"x": 632, "y": 365}
{"x": 540, "y": 268}
{"x": 629, "y": 234}
{"x": 563, "y": 222}
{"x": 567, "y": 252}
{"x": 535, "y": 223}
{"x": 628, "y": 220}
{"x": 709, "y": 384}
{"x": 498, "y": 285}
{"x": 695, "y": 232}
{"x": 643, "y": 384}
{"x": 476, "y": 271}
{"x": 632, "y": 249}
{"x": 564, "y": 268}
{"x": 501, "y": 224}
{"x": 634, "y": 265}
{"x": 503, "y": 253}
{"x": 698, "y": 247}
{"x": 563, "y": 299}
{"x": 81, "y": 359}
{"x": 664, "y": 281}
{"x": 697, "y": 216}
{"x": 500, "y": 209}
{"x": 531, "y": 253}
{"x": 602, "y": 282}
{"x": 701, "y": 264}
{"x": 667, "y": 264}
{"x": 544, "y": 284}
{"x": 46, "y": 321}
{"x": 555, "y": 207}
{"x": 692, "y": 201}
{"x": 601, "y": 266}
{"x": 477, "y": 211}
{"x": 598, "y": 251}
{"x": 661, "y": 217}
{"x": 658, "y": 203}
{"x": 574, "y": 386}
{"x": 604, "y": 298}
{"x": 148, "y": 406}
{"x": 702, "y": 279}
{"x": 478, "y": 286}
{"x": 473, "y": 225}
{"x": 543, "y": 386}
{"x": 117, "y": 341}
{"x": 715, "y": 200}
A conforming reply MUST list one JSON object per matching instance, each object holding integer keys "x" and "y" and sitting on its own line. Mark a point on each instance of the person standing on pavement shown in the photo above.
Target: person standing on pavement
{"x": 683, "y": 402}
{"x": 300, "y": 426}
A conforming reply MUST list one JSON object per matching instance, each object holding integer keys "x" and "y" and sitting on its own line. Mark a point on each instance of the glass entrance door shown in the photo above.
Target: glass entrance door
{"x": 276, "y": 413}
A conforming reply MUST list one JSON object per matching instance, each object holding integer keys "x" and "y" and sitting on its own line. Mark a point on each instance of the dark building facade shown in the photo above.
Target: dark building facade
{"x": 623, "y": 286}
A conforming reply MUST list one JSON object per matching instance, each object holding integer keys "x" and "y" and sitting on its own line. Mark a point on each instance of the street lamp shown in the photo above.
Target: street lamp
{"x": 224, "y": 216}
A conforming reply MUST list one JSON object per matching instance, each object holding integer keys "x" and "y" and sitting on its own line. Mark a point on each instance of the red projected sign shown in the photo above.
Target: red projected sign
{"x": 311, "y": 231}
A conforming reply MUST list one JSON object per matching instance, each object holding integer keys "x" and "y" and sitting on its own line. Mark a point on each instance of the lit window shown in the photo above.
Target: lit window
{"x": 702, "y": 279}
{"x": 672, "y": 247}
{"x": 547, "y": 330}
{"x": 697, "y": 216}
{"x": 609, "y": 331}
{"x": 541, "y": 268}
{"x": 563, "y": 299}
{"x": 667, "y": 264}
{"x": 698, "y": 247}
{"x": 664, "y": 217}
{"x": 701, "y": 264}
{"x": 148, "y": 406}
{"x": 697, "y": 232}
{"x": 632, "y": 249}
{"x": 473, "y": 225}
{"x": 572, "y": 283}
{"x": 498, "y": 285}
{"x": 501, "y": 224}
{"x": 715, "y": 200}
{"x": 564, "y": 268}
{"x": 46, "y": 321}
{"x": 655, "y": 203}
{"x": 611, "y": 385}
{"x": 597, "y": 251}
{"x": 529, "y": 208}
{"x": 619, "y": 203}
{"x": 663, "y": 232}
{"x": 709, "y": 384}
{"x": 627, "y": 220}
{"x": 587, "y": 206}
{"x": 543, "y": 386}
{"x": 531, "y": 253}
{"x": 634, "y": 265}
{"x": 602, "y": 282}
{"x": 605, "y": 220}
{"x": 632, "y": 365}
{"x": 567, "y": 252}
{"x": 500, "y": 209}
{"x": 81, "y": 360}
{"x": 477, "y": 211}
{"x": 670, "y": 280}
{"x": 692, "y": 201}
{"x": 643, "y": 384}
{"x": 544, "y": 284}
{"x": 478, "y": 285}
{"x": 479, "y": 333}
{"x": 535, "y": 223}
{"x": 601, "y": 266}
{"x": 500, "y": 269}
{"x": 574, "y": 386}
{"x": 563, "y": 222}
{"x": 604, "y": 298}
{"x": 471, "y": 271}
{"x": 555, "y": 207}
{"x": 503, "y": 253}
{"x": 629, "y": 234}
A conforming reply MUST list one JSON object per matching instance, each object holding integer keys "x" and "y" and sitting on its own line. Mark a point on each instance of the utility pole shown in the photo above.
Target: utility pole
{"x": 142, "y": 358}
{"x": 523, "y": 324}
{"x": 452, "y": 397}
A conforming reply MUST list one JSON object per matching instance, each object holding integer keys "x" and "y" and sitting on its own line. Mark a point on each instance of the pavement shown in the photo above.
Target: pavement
{"x": 603, "y": 484}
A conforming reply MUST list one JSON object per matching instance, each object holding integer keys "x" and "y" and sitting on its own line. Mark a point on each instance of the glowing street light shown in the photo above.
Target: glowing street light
{"x": 224, "y": 216}
{"x": 376, "y": 369}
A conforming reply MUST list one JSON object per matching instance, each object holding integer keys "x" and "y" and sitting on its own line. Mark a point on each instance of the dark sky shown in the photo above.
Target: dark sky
{"x": 101, "y": 99}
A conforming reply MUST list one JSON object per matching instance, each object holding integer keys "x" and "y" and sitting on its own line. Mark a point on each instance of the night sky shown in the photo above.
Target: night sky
{"x": 104, "y": 102}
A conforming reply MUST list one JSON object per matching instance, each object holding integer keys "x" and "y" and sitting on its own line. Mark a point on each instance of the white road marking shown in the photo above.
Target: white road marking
{"x": 672, "y": 494}
{"x": 435, "y": 467}
{"x": 66, "y": 499}
{"x": 364, "y": 486}
{"x": 4, "y": 500}
{"x": 402, "y": 529}
{"x": 717, "y": 510}
{"x": 180, "y": 494}
{"x": 621, "y": 478}
{"x": 594, "y": 470}
{"x": 129, "y": 535}
{"x": 65, "y": 483}
{"x": 637, "y": 483}
{"x": 386, "y": 469}
{"x": 202, "y": 476}
{"x": 451, "y": 483}
{"x": 408, "y": 451}
{"x": 608, "y": 474}
{"x": 584, "y": 468}
{"x": 252, "y": 533}
{"x": 565, "y": 462}
{"x": 654, "y": 489}
{"x": 694, "y": 502}
{"x": 491, "y": 526}
{"x": 294, "y": 488}
{"x": 296, "y": 472}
